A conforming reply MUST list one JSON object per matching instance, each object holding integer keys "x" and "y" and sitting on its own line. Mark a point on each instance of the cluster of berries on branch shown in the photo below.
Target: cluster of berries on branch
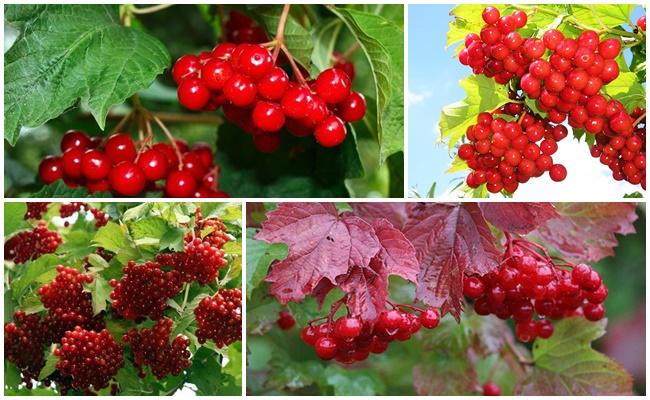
{"x": 503, "y": 154}
{"x": 219, "y": 317}
{"x": 117, "y": 165}
{"x": 530, "y": 283}
{"x": 348, "y": 339}
{"x": 31, "y": 244}
{"x": 152, "y": 347}
{"x": 143, "y": 290}
{"x": 25, "y": 340}
{"x": 35, "y": 210}
{"x": 259, "y": 96}
{"x": 565, "y": 77}
{"x": 68, "y": 209}
{"x": 90, "y": 358}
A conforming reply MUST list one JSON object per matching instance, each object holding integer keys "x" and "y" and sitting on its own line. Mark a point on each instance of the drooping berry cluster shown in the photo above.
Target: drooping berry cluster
{"x": 143, "y": 290}
{"x": 528, "y": 284}
{"x": 199, "y": 261}
{"x": 212, "y": 230}
{"x": 67, "y": 303}
{"x": 348, "y": 339}
{"x": 219, "y": 317}
{"x": 35, "y": 210}
{"x": 564, "y": 76}
{"x": 91, "y": 358}
{"x": 68, "y": 209}
{"x": 259, "y": 97}
{"x": 152, "y": 347}
{"x": 29, "y": 245}
{"x": 503, "y": 154}
{"x": 25, "y": 341}
{"x": 116, "y": 165}
{"x": 624, "y": 153}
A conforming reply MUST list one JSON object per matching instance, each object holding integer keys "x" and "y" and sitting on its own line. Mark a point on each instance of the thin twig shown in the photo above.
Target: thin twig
{"x": 171, "y": 139}
{"x": 149, "y": 10}
{"x": 351, "y": 50}
{"x": 279, "y": 33}
{"x": 294, "y": 66}
{"x": 636, "y": 121}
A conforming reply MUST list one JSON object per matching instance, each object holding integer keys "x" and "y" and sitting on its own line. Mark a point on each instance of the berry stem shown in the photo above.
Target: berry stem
{"x": 170, "y": 137}
{"x": 122, "y": 122}
{"x": 356, "y": 46}
{"x": 186, "y": 296}
{"x": 335, "y": 307}
{"x": 148, "y": 10}
{"x": 638, "y": 120}
{"x": 294, "y": 66}
{"x": 279, "y": 34}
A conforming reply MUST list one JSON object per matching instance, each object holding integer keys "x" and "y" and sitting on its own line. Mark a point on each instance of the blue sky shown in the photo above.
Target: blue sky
{"x": 433, "y": 76}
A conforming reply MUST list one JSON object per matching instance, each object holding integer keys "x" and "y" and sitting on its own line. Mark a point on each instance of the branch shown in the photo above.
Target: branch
{"x": 279, "y": 33}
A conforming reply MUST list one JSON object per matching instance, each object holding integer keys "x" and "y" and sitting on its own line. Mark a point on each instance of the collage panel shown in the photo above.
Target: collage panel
{"x": 123, "y": 299}
{"x": 529, "y": 101}
{"x": 204, "y": 100}
{"x": 405, "y": 298}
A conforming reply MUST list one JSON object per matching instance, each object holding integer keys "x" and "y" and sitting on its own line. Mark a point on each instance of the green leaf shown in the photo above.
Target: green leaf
{"x": 233, "y": 368}
{"x": 39, "y": 271}
{"x": 324, "y": 37}
{"x": 599, "y": 16}
{"x": 50, "y": 366}
{"x": 75, "y": 244}
{"x": 227, "y": 212}
{"x": 627, "y": 89}
{"x": 234, "y": 250}
{"x": 115, "y": 238}
{"x": 101, "y": 293}
{"x": 348, "y": 382}
{"x": 59, "y": 189}
{"x": 259, "y": 256}
{"x": 148, "y": 228}
{"x": 70, "y": 53}
{"x": 137, "y": 212}
{"x": 565, "y": 364}
{"x": 482, "y": 94}
{"x": 97, "y": 262}
{"x": 172, "y": 240}
{"x": 296, "y": 38}
{"x": 382, "y": 41}
{"x": 14, "y": 217}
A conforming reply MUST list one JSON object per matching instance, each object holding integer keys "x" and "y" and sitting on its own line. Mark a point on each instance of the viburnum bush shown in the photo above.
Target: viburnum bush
{"x": 251, "y": 101}
{"x": 104, "y": 311}
{"x": 540, "y": 74}
{"x": 466, "y": 298}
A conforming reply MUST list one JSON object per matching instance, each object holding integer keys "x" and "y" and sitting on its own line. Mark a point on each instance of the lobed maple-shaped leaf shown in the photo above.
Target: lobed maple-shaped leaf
{"x": 587, "y": 231}
{"x": 450, "y": 240}
{"x": 322, "y": 245}
{"x": 518, "y": 218}
{"x": 565, "y": 364}
{"x": 395, "y": 212}
{"x": 70, "y": 52}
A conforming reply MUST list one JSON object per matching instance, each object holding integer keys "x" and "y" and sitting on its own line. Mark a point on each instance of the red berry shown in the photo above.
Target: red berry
{"x": 215, "y": 73}
{"x": 95, "y": 165}
{"x": 255, "y": 61}
{"x": 268, "y": 116}
{"x": 309, "y": 335}
{"x": 180, "y": 184}
{"x": 353, "y": 108}
{"x": 430, "y": 318}
{"x": 558, "y": 172}
{"x": 273, "y": 85}
{"x": 333, "y": 85}
{"x": 240, "y": 90}
{"x": 609, "y": 48}
{"x": 120, "y": 147}
{"x": 297, "y": 102}
{"x": 491, "y": 15}
{"x": 127, "y": 179}
{"x": 325, "y": 348}
{"x": 641, "y": 23}
{"x": 594, "y": 312}
{"x": 193, "y": 94}
{"x": 347, "y": 328}
{"x": 71, "y": 162}
{"x": 330, "y": 132}
{"x": 184, "y": 67}
{"x": 74, "y": 138}
{"x": 491, "y": 389}
{"x": 50, "y": 169}
{"x": 153, "y": 164}
{"x": 285, "y": 320}
{"x": 473, "y": 287}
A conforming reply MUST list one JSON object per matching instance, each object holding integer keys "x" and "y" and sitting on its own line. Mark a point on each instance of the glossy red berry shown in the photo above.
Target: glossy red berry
{"x": 309, "y": 335}
{"x": 268, "y": 116}
{"x": 95, "y": 165}
{"x": 333, "y": 85}
{"x": 215, "y": 73}
{"x": 325, "y": 348}
{"x": 491, "y": 15}
{"x": 71, "y": 162}
{"x": 641, "y": 23}
{"x": 353, "y": 108}
{"x": 347, "y": 328}
{"x": 180, "y": 184}
{"x": 558, "y": 172}
{"x": 594, "y": 312}
{"x": 74, "y": 138}
{"x": 240, "y": 90}
{"x": 193, "y": 164}
{"x": 50, "y": 169}
{"x": 153, "y": 164}
{"x": 330, "y": 132}
{"x": 185, "y": 67}
{"x": 491, "y": 389}
{"x": 193, "y": 94}
{"x": 273, "y": 85}
{"x": 120, "y": 147}
{"x": 255, "y": 61}
{"x": 473, "y": 287}
{"x": 430, "y": 318}
{"x": 297, "y": 102}
{"x": 127, "y": 179}
{"x": 285, "y": 320}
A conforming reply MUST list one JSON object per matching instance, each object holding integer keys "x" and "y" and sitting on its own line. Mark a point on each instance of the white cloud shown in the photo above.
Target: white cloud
{"x": 417, "y": 98}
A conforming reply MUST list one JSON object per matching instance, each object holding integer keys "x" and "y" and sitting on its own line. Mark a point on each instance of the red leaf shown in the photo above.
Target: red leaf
{"x": 397, "y": 253}
{"x": 518, "y": 218}
{"x": 367, "y": 290}
{"x": 449, "y": 240}
{"x": 586, "y": 231}
{"x": 396, "y": 213}
{"x": 321, "y": 244}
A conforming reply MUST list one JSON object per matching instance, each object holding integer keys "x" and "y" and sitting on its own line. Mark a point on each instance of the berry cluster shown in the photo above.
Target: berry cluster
{"x": 213, "y": 230}
{"x": 68, "y": 209}
{"x": 35, "y": 210}
{"x": 348, "y": 339}
{"x": 503, "y": 154}
{"x": 29, "y": 245}
{"x": 143, "y": 290}
{"x": 117, "y": 166}
{"x": 219, "y": 317}
{"x": 259, "y": 97}
{"x": 200, "y": 261}
{"x": 25, "y": 341}
{"x": 624, "y": 153}
{"x": 90, "y": 358}
{"x": 529, "y": 284}
{"x": 152, "y": 347}
{"x": 564, "y": 76}
{"x": 67, "y": 303}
